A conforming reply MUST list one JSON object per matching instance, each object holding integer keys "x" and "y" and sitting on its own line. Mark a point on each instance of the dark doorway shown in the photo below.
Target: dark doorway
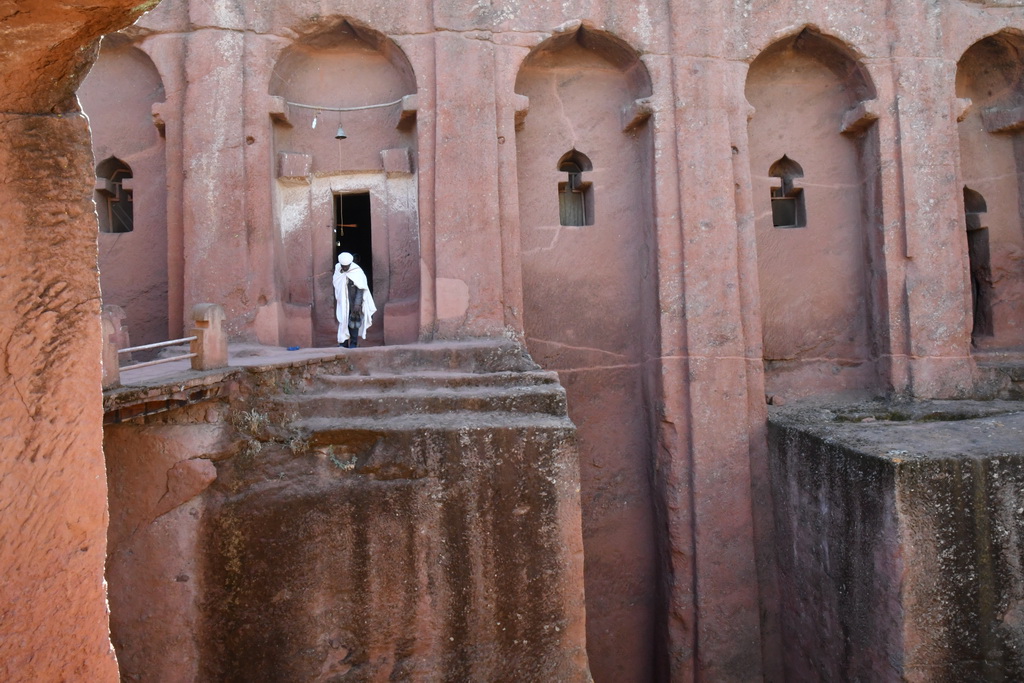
{"x": 980, "y": 264}
{"x": 352, "y": 230}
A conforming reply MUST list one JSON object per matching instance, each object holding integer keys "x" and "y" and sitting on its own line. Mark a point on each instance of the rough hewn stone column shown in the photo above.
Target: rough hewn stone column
{"x": 707, "y": 484}
{"x": 468, "y": 277}
{"x": 938, "y": 334}
{"x": 52, "y": 483}
{"x": 217, "y": 237}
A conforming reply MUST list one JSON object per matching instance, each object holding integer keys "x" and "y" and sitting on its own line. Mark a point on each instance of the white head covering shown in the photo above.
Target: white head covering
{"x": 345, "y": 258}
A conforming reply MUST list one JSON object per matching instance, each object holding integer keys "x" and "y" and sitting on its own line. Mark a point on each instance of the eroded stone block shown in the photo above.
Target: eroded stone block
{"x": 899, "y": 534}
{"x": 294, "y": 166}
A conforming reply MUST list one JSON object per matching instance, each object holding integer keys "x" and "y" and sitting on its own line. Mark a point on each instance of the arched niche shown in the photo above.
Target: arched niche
{"x": 991, "y": 75}
{"x": 590, "y": 312}
{"x": 118, "y": 96}
{"x": 356, "y": 193}
{"x": 814, "y": 166}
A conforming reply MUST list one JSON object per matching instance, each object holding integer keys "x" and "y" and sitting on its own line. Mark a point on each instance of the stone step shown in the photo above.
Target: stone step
{"x": 319, "y": 431}
{"x": 1001, "y": 378}
{"x": 370, "y": 400}
{"x": 428, "y": 379}
{"x": 465, "y": 357}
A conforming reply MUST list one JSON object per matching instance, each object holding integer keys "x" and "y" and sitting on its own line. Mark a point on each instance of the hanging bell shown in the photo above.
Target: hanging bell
{"x": 340, "y": 135}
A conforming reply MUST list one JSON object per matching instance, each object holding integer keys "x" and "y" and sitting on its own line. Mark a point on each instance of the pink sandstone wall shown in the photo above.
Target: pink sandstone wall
{"x": 707, "y": 378}
{"x": 53, "y": 488}
{"x": 989, "y": 75}
{"x": 578, "y": 84}
{"x": 157, "y": 473}
{"x": 54, "y": 531}
{"x": 118, "y": 96}
{"x": 814, "y": 280}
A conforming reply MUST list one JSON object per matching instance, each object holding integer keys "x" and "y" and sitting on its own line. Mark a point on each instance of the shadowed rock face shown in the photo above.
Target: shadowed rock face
{"x": 402, "y": 513}
{"x": 439, "y": 554}
{"x": 53, "y": 530}
{"x": 899, "y": 540}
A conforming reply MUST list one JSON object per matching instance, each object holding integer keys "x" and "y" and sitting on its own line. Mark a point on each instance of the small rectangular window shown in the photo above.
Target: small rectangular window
{"x": 788, "y": 211}
{"x": 114, "y": 196}
{"x": 571, "y": 207}
{"x": 784, "y": 212}
{"x": 575, "y": 204}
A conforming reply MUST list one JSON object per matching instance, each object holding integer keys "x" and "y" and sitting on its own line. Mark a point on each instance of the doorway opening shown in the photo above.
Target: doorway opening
{"x": 353, "y": 231}
{"x": 980, "y": 262}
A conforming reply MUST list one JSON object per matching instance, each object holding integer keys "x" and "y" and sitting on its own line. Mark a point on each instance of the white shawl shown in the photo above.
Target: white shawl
{"x": 341, "y": 280}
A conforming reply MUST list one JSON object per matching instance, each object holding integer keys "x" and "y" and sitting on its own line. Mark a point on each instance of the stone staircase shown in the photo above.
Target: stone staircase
{"x": 424, "y": 386}
{"x": 414, "y": 514}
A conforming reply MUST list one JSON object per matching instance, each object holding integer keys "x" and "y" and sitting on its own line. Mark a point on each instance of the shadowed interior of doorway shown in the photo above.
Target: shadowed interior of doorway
{"x": 353, "y": 231}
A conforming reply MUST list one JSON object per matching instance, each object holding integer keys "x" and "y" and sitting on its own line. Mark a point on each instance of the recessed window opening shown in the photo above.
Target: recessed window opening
{"x": 575, "y": 196}
{"x": 788, "y": 210}
{"x": 980, "y": 265}
{"x": 114, "y": 196}
{"x": 353, "y": 230}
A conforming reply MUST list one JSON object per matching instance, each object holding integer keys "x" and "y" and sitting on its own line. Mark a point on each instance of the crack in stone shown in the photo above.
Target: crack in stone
{"x": 14, "y": 383}
{"x": 578, "y": 348}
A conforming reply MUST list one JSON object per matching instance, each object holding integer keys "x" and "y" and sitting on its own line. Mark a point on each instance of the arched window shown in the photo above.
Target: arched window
{"x": 575, "y": 196}
{"x": 787, "y": 201}
{"x": 980, "y": 263}
{"x": 114, "y": 195}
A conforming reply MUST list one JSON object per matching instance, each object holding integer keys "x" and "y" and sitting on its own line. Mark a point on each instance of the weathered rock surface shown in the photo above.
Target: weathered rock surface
{"x": 392, "y": 513}
{"x": 900, "y": 534}
{"x": 157, "y": 473}
{"x": 53, "y": 490}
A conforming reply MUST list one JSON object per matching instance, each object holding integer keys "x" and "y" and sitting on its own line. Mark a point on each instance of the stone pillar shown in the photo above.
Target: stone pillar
{"x": 268, "y": 300}
{"x": 216, "y": 233}
{"x": 672, "y": 484}
{"x": 111, "y": 366}
{"x": 53, "y": 530}
{"x": 166, "y": 50}
{"x": 727, "y": 599}
{"x": 714, "y": 631}
{"x": 467, "y": 231}
{"x": 211, "y": 342}
{"x": 938, "y": 334}
{"x": 52, "y": 481}
{"x": 512, "y": 107}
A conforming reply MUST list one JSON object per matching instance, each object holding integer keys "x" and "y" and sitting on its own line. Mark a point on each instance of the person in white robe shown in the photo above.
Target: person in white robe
{"x": 355, "y": 307}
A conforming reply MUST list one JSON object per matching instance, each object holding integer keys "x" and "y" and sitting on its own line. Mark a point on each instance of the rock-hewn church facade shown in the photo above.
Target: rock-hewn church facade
{"x": 687, "y": 210}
